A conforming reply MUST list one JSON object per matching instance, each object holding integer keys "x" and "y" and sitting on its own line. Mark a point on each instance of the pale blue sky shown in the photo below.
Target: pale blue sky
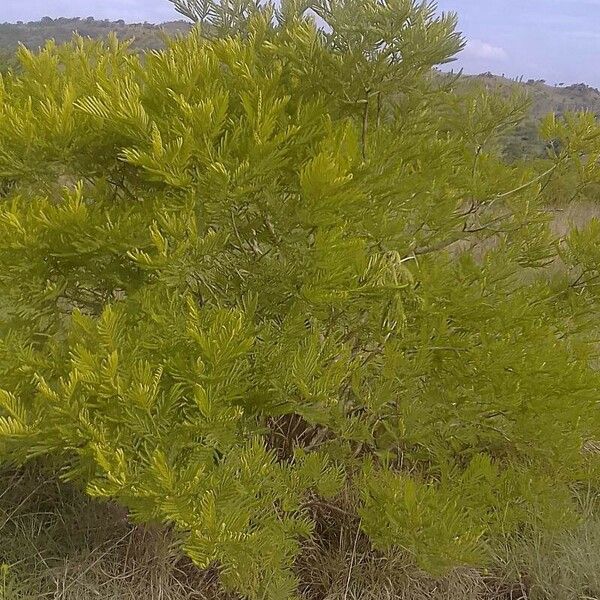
{"x": 153, "y": 11}
{"x": 556, "y": 40}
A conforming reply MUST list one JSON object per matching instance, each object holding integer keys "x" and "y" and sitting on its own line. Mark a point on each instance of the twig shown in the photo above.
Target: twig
{"x": 365, "y": 125}
{"x": 352, "y": 561}
{"x": 526, "y": 185}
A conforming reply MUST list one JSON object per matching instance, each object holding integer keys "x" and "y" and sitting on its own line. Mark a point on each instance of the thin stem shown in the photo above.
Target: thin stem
{"x": 365, "y": 124}
{"x": 526, "y": 185}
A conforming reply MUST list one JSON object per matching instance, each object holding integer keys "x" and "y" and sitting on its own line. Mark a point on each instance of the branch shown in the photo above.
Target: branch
{"x": 365, "y": 125}
{"x": 526, "y": 185}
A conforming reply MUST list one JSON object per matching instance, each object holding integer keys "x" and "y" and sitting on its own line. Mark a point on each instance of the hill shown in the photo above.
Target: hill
{"x": 544, "y": 99}
{"x": 35, "y": 33}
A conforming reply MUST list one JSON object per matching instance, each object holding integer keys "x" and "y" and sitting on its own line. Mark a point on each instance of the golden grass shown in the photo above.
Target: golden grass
{"x": 56, "y": 544}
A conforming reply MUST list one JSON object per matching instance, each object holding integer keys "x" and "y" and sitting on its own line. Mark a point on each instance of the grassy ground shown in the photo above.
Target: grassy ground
{"x": 57, "y": 544}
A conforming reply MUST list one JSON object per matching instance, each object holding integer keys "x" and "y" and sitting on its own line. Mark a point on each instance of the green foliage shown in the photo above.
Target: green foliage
{"x": 574, "y": 144}
{"x": 270, "y": 263}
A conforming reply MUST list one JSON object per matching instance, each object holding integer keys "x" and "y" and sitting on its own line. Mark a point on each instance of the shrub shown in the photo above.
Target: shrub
{"x": 240, "y": 275}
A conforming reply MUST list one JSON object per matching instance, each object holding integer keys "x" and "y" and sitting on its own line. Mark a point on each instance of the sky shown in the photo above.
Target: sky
{"x": 153, "y": 11}
{"x": 555, "y": 40}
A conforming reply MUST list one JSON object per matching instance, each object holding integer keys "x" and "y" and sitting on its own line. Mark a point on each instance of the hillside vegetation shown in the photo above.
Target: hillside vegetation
{"x": 281, "y": 319}
{"x": 34, "y": 34}
{"x": 525, "y": 141}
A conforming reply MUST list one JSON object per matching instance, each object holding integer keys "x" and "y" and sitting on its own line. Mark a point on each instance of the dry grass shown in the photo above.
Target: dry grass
{"x": 340, "y": 564}
{"x": 343, "y": 573}
{"x": 57, "y": 544}
{"x": 564, "y": 565}
{"x": 573, "y": 215}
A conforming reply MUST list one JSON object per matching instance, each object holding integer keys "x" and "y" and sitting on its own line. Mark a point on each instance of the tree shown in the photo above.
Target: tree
{"x": 8, "y": 61}
{"x": 272, "y": 262}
